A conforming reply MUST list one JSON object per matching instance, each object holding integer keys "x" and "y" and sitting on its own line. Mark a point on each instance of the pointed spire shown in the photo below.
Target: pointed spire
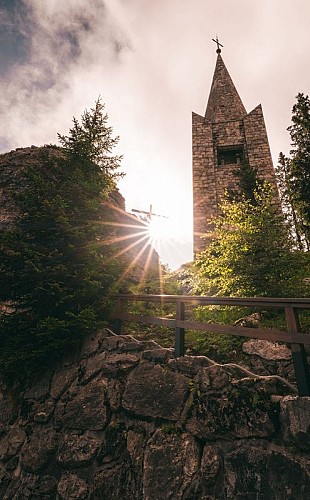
{"x": 224, "y": 103}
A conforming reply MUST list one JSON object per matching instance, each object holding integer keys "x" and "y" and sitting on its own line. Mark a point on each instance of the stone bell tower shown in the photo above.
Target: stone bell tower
{"x": 224, "y": 137}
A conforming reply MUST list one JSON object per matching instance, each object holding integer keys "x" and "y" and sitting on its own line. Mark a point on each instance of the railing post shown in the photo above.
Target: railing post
{"x": 298, "y": 354}
{"x": 179, "y": 332}
{"x": 117, "y": 322}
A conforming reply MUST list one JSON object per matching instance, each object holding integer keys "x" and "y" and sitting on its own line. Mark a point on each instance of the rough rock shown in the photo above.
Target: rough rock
{"x": 72, "y": 487}
{"x": 152, "y": 391}
{"x": 171, "y": 461}
{"x": 40, "y": 448}
{"x": 210, "y": 464}
{"x": 253, "y": 473}
{"x": 267, "y": 350}
{"x": 77, "y": 451}
{"x": 114, "y": 483}
{"x": 87, "y": 410}
{"x": 295, "y": 419}
{"x": 62, "y": 380}
{"x": 216, "y": 400}
{"x": 11, "y": 443}
{"x": 121, "y": 424}
{"x": 40, "y": 390}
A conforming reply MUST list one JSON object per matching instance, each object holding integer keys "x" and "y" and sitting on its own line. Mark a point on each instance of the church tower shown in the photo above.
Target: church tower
{"x": 226, "y": 136}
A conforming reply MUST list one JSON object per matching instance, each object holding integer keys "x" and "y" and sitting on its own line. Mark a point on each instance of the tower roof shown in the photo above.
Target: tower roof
{"x": 224, "y": 103}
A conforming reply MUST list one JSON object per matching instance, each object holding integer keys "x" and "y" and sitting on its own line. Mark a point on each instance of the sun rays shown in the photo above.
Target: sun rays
{"x": 140, "y": 240}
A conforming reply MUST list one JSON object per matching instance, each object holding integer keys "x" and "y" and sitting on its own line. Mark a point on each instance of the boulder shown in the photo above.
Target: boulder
{"x": 87, "y": 410}
{"x": 72, "y": 487}
{"x": 39, "y": 450}
{"x": 271, "y": 351}
{"x": 295, "y": 421}
{"x": 154, "y": 392}
{"x": 77, "y": 451}
{"x": 254, "y": 473}
{"x": 170, "y": 465}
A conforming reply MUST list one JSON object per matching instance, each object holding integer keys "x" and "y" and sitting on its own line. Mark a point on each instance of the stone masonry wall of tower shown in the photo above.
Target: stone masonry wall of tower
{"x": 225, "y": 136}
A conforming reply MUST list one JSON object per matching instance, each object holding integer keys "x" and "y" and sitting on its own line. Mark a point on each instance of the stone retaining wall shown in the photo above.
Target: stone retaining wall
{"x": 128, "y": 421}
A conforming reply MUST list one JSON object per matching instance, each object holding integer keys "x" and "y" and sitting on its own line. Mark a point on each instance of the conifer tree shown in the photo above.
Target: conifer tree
{"x": 52, "y": 268}
{"x": 295, "y": 171}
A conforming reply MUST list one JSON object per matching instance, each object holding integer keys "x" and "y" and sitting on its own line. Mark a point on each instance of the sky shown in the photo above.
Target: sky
{"x": 152, "y": 63}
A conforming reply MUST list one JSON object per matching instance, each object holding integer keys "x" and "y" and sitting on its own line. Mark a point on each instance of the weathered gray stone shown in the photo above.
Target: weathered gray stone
{"x": 152, "y": 391}
{"x": 170, "y": 464}
{"x": 135, "y": 447}
{"x": 114, "y": 443}
{"x": 295, "y": 420}
{"x": 111, "y": 442}
{"x": 114, "y": 391}
{"x": 11, "y": 443}
{"x": 237, "y": 413}
{"x": 8, "y": 411}
{"x": 62, "y": 380}
{"x": 119, "y": 363}
{"x": 87, "y": 410}
{"x": 40, "y": 390}
{"x": 267, "y": 350}
{"x": 115, "y": 483}
{"x": 254, "y": 473}
{"x": 77, "y": 451}
{"x": 214, "y": 377}
{"x": 93, "y": 343}
{"x": 121, "y": 343}
{"x": 40, "y": 449}
{"x": 24, "y": 488}
{"x": 149, "y": 345}
{"x": 189, "y": 365}
{"x": 159, "y": 355}
{"x": 72, "y": 487}
{"x": 210, "y": 464}
{"x": 91, "y": 367}
{"x": 44, "y": 411}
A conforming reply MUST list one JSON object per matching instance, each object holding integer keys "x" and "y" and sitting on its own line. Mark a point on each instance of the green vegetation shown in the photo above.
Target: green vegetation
{"x": 251, "y": 253}
{"x": 294, "y": 173}
{"x": 53, "y": 270}
{"x": 57, "y": 271}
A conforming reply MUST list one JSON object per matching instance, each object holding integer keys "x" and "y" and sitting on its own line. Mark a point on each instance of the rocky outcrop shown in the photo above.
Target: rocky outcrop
{"x": 128, "y": 421}
{"x": 127, "y": 233}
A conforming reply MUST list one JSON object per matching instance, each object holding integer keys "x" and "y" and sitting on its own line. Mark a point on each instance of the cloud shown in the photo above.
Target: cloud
{"x": 152, "y": 62}
{"x": 63, "y": 40}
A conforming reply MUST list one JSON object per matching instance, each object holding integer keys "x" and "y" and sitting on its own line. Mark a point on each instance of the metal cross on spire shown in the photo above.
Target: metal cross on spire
{"x": 218, "y": 50}
{"x": 148, "y": 214}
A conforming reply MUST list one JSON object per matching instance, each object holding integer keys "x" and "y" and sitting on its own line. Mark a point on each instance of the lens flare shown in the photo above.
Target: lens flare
{"x": 142, "y": 240}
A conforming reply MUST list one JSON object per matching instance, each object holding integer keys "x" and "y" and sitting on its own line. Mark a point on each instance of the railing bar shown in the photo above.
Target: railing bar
{"x": 229, "y": 301}
{"x": 179, "y": 331}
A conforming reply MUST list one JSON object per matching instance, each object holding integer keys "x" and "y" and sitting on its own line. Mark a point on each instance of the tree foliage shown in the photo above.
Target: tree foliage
{"x": 247, "y": 184}
{"x": 53, "y": 272}
{"x": 294, "y": 172}
{"x": 250, "y": 253}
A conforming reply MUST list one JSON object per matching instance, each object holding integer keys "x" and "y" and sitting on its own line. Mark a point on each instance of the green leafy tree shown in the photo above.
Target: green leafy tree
{"x": 53, "y": 269}
{"x": 250, "y": 254}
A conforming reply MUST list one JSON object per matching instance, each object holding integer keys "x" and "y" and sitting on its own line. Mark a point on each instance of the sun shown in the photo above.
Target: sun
{"x": 169, "y": 228}
{"x": 158, "y": 228}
